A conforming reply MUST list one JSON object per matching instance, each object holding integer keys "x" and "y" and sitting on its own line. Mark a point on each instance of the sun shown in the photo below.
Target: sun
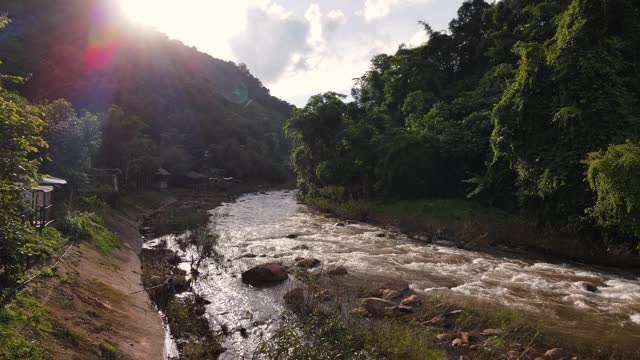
{"x": 207, "y": 24}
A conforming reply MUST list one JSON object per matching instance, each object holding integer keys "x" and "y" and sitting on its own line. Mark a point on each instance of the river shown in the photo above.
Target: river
{"x": 258, "y": 225}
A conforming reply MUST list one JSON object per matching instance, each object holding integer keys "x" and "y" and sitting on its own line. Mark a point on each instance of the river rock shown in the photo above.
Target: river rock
{"x": 379, "y": 307}
{"x": 300, "y": 247}
{"x": 295, "y": 297}
{"x": 404, "y": 309}
{"x": 247, "y": 256}
{"x": 359, "y": 311}
{"x": 265, "y": 273}
{"x": 338, "y": 271}
{"x": 589, "y": 286}
{"x": 555, "y": 354}
{"x": 292, "y": 236}
{"x": 466, "y": 337}
{"x": 412, "y": 300}
{"x": 490, "y": 332}
{"x": 307, "y": 263}
{"x": 456, "y": 342}
{"x": 389, "y": 294}
{"x": 443, "y": 337}
{"x": 339, "y": 224}
{"x": 445, "y": 243}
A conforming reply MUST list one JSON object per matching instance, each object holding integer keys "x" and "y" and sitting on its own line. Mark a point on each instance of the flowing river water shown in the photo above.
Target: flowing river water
{"x": 258, "y": 225}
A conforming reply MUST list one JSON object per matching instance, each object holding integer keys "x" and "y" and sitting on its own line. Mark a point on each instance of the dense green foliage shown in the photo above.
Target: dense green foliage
{"x": 74, "y": 140}
{"x": 615, "y": 176}
{"x": 20, "y": 128}
{"x": 160, "y": 103}
{"x": 504, "y": 107}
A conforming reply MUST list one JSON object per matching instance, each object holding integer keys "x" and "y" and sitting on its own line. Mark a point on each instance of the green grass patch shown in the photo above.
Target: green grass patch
{"x": 90, "y": 227}
{"x": 108, "y": 351}
{"x": 23, "y": 322}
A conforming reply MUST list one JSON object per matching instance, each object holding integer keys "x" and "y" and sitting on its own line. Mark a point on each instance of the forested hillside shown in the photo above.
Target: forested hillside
{"x": 528, "y": 105}
{"x": 154, "y": 101}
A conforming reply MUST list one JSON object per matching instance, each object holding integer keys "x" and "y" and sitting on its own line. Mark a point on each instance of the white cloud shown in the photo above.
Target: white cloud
{"x": 314, "y": 17}
{"x": 377, "y": 9}
{"x": 272, "y": 40}
{"x": 337, "y": 16}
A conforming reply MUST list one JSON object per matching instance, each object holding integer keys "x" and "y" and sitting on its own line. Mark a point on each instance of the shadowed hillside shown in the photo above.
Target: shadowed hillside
{"x": 210, "y": 112}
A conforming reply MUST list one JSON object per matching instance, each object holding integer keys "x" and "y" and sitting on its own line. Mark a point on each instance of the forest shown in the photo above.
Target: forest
{"x": 532, "y": 106}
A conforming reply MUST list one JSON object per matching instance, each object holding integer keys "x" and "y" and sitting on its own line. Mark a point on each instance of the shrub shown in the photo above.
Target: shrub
{"x": 43, "y": 245}
{"x": 89, "y": 227}
{"x": 614, "y": 176}
{"x": 108, "y": 351}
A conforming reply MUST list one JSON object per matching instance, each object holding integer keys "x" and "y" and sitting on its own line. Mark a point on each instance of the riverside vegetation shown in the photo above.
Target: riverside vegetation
{"x": 526, "y": 106}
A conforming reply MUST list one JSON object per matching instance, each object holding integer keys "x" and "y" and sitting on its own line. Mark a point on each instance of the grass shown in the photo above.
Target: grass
{"x": 23, "y": 324}
{"x": 90, "y": 227}
{"x": 443, "y": 211}
{"x": 460, "y": 220}
{"x": 108, "y": 351}
{"x": 321, "y": 335}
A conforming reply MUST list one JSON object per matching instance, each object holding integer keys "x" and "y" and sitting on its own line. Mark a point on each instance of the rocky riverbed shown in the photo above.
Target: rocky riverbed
{"x": 587, "y": 304}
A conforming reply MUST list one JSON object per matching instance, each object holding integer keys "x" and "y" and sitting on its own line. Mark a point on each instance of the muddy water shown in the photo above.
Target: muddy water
{"x": 258, "y": 225}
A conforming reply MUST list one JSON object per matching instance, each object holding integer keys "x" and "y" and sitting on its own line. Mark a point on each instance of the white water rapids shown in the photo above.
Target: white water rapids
{"x": 258, "y": 224}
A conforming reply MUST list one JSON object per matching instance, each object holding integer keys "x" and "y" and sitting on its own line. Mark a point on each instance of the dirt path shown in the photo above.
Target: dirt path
{"x": 96, "y": 299}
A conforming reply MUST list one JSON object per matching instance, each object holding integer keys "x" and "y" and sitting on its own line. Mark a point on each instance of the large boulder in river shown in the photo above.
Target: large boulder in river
{"x": 265, "y": 274}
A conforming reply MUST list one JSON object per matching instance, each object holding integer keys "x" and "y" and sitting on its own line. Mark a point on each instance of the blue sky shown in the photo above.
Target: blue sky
{"x": 298, "y": 48}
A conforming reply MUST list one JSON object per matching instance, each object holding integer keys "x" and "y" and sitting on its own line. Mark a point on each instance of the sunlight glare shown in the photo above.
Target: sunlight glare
{"x": 206, "y": 24}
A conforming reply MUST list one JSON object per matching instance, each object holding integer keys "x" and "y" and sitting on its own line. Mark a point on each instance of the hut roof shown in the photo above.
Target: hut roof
{"x": 163, "y": 172}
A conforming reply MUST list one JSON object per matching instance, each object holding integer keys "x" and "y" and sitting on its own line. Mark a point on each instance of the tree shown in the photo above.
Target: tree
{"x": 73, "y": 140}
{"x": 21, "y": 125}
{"x": 614, "y": 176}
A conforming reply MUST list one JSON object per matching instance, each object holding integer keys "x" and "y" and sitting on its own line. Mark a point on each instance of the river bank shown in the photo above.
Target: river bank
{"x": 95, "y": 303}
{"x": 473, "y": 226}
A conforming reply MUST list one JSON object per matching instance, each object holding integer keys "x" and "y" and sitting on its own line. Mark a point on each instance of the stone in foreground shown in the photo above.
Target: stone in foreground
{"x": 555, "y": 354}
{"x": 379, "y": 307}
{"x": 265, "y": 274}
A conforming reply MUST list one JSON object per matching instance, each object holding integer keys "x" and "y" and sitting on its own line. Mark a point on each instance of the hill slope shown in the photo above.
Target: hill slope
{"x": 88, "y": 53}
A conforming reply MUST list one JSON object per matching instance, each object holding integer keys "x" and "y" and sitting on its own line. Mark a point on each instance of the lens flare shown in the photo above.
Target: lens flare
{"x": 103, "y": 44}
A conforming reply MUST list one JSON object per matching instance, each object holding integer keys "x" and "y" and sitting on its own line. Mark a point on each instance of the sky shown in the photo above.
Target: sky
{"x": 297, "y": 48}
